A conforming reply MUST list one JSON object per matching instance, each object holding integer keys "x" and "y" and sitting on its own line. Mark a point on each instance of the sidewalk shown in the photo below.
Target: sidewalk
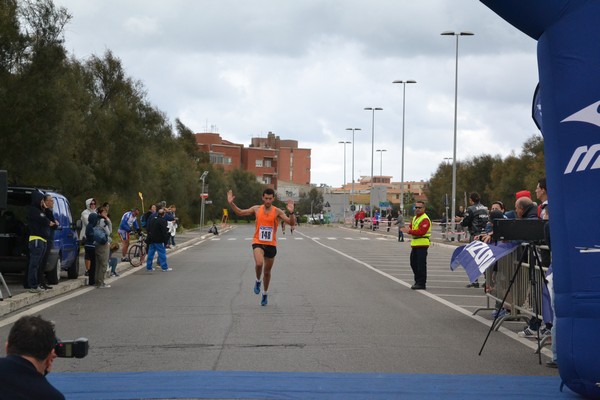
{"x": 21, "y": 298}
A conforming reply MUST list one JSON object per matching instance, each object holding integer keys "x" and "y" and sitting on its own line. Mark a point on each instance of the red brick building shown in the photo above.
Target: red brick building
{"x": 270, "y": 159}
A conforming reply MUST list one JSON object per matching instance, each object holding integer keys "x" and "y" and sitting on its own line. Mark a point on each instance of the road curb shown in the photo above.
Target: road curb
{"x": 24, "y": 300}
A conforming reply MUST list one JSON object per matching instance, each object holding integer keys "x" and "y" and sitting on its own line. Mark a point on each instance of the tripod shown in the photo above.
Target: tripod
{"x": 533, "y": 257}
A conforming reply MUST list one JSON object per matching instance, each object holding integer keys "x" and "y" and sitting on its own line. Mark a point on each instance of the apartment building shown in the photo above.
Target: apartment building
{"x": 270, "y": 159}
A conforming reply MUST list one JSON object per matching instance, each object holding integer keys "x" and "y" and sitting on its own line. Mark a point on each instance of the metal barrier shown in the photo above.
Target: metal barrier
{"x": 520, "y": 299}
{"x": 449, "y": 235}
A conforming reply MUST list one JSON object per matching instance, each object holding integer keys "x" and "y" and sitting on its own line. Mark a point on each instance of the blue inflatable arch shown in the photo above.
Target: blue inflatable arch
{"x": 568, "y": 35}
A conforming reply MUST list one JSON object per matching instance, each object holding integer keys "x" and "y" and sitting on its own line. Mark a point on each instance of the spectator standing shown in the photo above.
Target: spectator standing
{"x": 29, "y": 358}
{"x": 90, "y": 208}
{"x": 103, "y": 249}
{"x": 172, "y": 224}
{"x": 542, "y": 195}
{"x": 389, "y": 220}
{"x": 400, "y": 223}
{"x": 39, "y": 226}
{"x": 525, "y": 208}
{"x": 128, "y": 223}
{"x": 146, "y": 216}
{"x": 90, "y": 248}
{"x": 475, "y": 220}
{"x": 361, "y": 218}
{"x": 459, "y": 229}
{"x": 49, "y": 211}
{"x": 420, "y": 231}
{"x": 158, "y": 235}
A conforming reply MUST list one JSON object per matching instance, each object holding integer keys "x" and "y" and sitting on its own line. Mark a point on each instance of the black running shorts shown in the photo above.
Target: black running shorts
{"x": 269, "y": 251}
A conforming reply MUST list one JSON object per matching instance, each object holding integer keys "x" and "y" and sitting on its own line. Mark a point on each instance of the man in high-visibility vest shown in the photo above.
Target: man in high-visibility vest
{"x": 420, "y": 230}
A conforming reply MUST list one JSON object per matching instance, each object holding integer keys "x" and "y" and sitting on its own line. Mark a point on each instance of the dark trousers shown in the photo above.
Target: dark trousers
{"x": 37, "y": 249}
{"x": 42, "y": 269}
{"x": 418, "y": 263}
{"x": 90, "y": 254}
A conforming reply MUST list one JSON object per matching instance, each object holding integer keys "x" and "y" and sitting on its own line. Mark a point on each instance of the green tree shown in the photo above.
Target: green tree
{"x": 311, "y": 202}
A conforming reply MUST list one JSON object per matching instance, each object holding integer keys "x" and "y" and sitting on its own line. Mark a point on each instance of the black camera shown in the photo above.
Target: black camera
{"x": 77, "y": 348}
{"x": 529, "y": 230}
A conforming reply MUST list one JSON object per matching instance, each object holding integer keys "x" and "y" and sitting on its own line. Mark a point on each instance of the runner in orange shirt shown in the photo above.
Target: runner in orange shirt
{"x": 264, "y": 243}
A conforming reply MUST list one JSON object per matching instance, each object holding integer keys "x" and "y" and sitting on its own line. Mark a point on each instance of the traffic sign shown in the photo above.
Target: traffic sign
{"x": 204, "y": 195}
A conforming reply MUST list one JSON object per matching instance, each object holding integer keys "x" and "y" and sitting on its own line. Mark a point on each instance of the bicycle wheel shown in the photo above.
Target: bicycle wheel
{"x": 136, "y": 255}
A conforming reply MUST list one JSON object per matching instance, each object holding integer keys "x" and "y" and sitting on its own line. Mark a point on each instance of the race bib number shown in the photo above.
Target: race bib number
{"x": 265, "y": 233}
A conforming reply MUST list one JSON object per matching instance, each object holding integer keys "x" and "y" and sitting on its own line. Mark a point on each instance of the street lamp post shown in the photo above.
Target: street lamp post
{"x": 381, "y": 161}
{"x": 202, "y": 178}
{"x": 344, "y": 143}
{"x": 373, "y": 109}
{"x": 352, "y": 188}
{"x": 402, "y": 161}
{"x": 344, "y": 186}
{"x": 453, "y": 210}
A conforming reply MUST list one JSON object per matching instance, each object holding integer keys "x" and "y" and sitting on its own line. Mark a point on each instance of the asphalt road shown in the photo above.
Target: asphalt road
{"x": 339, "y": 302}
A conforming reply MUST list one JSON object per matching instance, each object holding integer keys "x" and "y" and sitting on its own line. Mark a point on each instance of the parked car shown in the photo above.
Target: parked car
{"x": 14, "y": 236}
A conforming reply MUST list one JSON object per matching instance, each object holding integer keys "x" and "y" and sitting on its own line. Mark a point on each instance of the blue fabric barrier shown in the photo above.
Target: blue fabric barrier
{"x": 568, "y": 35}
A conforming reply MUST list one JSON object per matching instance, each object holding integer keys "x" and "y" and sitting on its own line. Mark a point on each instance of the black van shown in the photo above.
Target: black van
{"x": 14, "y": 235}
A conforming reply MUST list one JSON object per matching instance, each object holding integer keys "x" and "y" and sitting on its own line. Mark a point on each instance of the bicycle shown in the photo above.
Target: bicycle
{"x": 137, "y": 251}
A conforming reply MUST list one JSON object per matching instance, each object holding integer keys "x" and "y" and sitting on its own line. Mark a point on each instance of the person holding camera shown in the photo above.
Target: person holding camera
{"x": 29, "y": 357}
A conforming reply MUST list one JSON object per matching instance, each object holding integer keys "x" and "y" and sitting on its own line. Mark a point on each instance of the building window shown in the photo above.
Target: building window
{"x": 259, "y": 163}
{"x": 268, "y": 163}
{"x": 267, "y": 179}
{"x": 216, "y": 158}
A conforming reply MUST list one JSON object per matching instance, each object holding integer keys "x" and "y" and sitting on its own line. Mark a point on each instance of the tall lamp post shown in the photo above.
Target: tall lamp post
{"x": 344, "y": 186}
{"x": 402, "y": 161}
{"x": 352, "y": 188}
{"x": 202, "y": 178}
{"x": 372, "y": 147}
{"x": 381, "y": 151}
{"x": 344, "y": 143}
{"x": 453, "y": 210}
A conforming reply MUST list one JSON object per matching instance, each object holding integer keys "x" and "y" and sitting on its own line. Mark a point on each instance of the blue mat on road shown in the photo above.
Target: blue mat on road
{"x": 300, "y": 385}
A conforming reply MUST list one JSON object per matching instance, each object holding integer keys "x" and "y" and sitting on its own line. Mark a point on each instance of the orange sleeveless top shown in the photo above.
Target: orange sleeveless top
{"x": 266, "y": 227}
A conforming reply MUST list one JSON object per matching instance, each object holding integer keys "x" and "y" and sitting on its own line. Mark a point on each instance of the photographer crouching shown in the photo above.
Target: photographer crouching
{"x": 31, "y": 349}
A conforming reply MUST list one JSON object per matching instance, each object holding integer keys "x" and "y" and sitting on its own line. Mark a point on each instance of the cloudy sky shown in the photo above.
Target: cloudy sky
{"x": 306, "y": 69}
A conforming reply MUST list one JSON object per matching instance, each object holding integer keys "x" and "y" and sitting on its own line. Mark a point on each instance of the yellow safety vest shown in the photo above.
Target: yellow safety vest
{"x": 420, "y": 240}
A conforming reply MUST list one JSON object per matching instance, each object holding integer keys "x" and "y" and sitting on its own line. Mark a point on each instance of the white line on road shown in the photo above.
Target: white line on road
{"x": 440, "y": 300}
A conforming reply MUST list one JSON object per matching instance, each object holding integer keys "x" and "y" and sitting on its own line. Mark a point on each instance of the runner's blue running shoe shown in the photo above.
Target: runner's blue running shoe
{"x": 264, "y": 300}
{"x": 257, "y": 287}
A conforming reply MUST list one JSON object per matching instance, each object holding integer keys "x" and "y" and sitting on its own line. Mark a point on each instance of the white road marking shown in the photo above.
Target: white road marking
{"x": 505, "y": 331}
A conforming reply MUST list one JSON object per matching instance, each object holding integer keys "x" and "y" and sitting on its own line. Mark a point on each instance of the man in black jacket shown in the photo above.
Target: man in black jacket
{"x": 476, "y": 217}
{"x": 158, "y": 235}
{"x": 39, "y": 233}
{"x": 30, "y": 354}
{"x": 475, "y": 220}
